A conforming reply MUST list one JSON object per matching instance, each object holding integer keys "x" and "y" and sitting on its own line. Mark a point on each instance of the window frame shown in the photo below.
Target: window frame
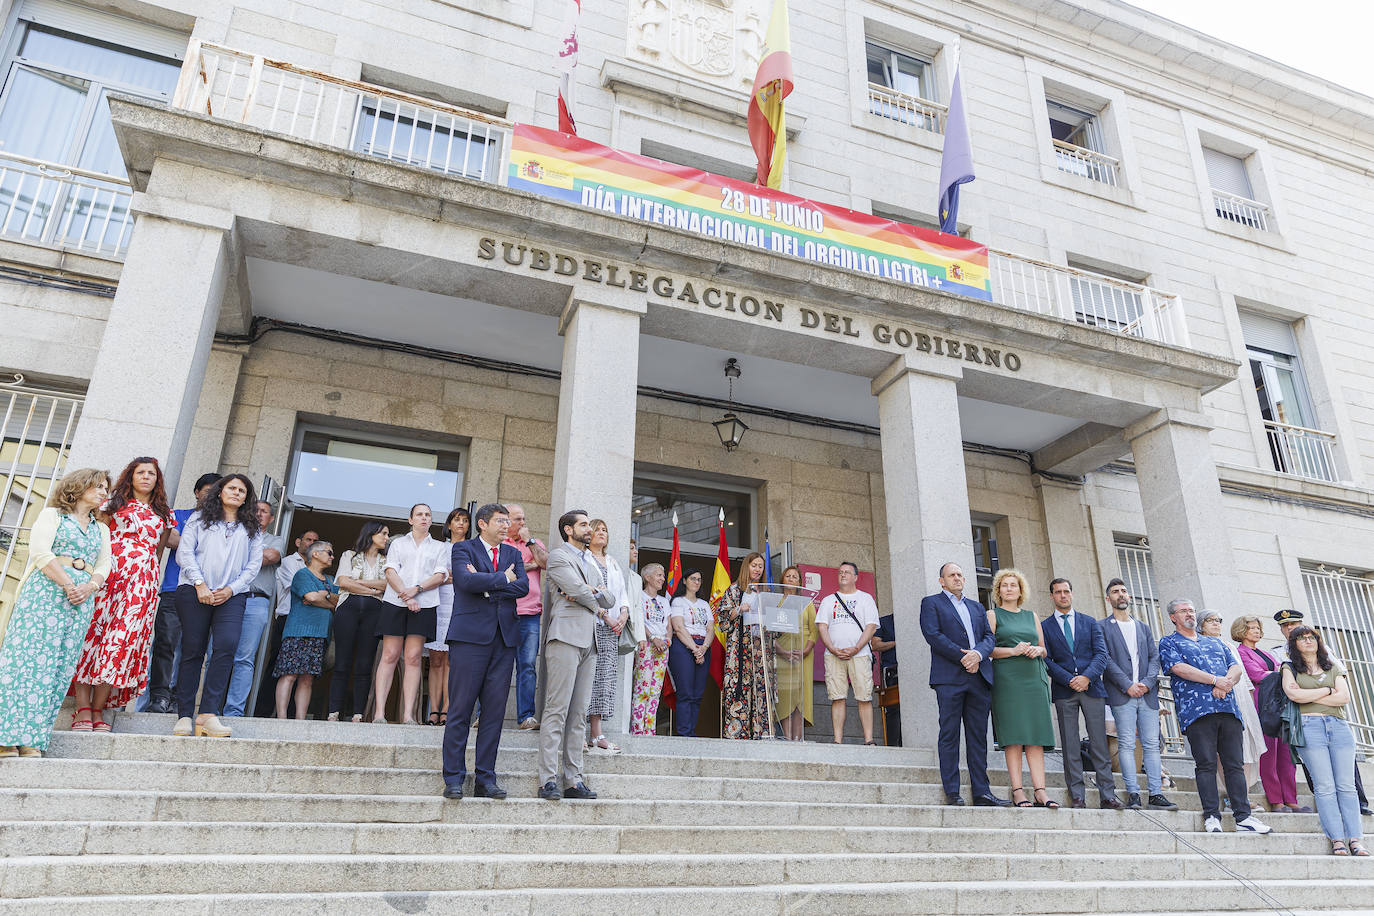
{"x": 1107, "y": 104}
{"x": 1200, "y": 132}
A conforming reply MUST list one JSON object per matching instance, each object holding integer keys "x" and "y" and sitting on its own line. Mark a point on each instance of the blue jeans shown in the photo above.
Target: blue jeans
{"x": 526, "y": 661}
{"x": 1329, "y": 756}
{"x": 256, "y": 614}
{"x": 1135, "y": 718}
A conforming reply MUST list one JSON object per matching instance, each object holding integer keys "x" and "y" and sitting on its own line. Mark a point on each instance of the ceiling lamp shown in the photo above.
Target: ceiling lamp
{"x": 731, "y": 428}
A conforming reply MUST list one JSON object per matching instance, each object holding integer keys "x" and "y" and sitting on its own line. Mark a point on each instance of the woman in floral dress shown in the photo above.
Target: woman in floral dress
{"x": 114, "y": 660}
{"x": 69, "y": 558}
{"x": 743, "y": 688}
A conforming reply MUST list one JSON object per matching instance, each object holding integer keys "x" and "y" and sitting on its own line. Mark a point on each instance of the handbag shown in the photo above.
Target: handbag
{"x": 625, "y": 643}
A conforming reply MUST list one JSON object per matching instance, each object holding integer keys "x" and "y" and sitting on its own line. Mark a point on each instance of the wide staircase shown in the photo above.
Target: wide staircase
{"x": 316, "y": 817}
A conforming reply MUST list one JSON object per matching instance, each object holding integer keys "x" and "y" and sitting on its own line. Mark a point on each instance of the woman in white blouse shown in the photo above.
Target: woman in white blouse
{"x": 416, "y": 565}
{"x": 689, "y": 658}
{"x": 605, "y": 684}
{"x": 361, "y": 584}
{"x": 651, "y": 657}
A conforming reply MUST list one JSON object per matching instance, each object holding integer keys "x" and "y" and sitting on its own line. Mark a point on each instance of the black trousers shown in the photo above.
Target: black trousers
{"x": 476, "y": 672}
{"x": 967, "y": 706}
{"x": 166, "y": 638}
{"x": 1218, "y": 735}
{"x": 355, "y": 647}
{"x": 198, "y": 621}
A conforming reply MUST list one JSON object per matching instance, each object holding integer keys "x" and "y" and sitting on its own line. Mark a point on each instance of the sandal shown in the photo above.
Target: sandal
{"x": 1020, "y": 804}
{"x": 357, "y": 717}
{"x": 433, "y": 719}
{"x": 602, "y": 744}
{"x": 332, "y": 717}
{"x": 443, "y": 718}
{"x": 79, "y": 724}
{"x": 1356, "y": 847}
{"x": 99, "y": 725}
{"x": 1048, "y": 802}
{"x": 1338, "y": 848}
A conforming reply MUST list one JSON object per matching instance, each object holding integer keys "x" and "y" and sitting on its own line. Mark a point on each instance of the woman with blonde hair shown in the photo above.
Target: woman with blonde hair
{"x": 69, "y": 560}
{"x": 795, "y": 665}
{"x": 1021, "y": 719}
{"x": 606, "y": 683}
{"x": 744, "y": 686}
{"x": 651, "y": 656}
{"x": 1278, "y": 774}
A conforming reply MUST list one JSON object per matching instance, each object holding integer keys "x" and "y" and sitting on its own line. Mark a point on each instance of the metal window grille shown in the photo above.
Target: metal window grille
{"x": 36, "y": 429}
{"x": 1342, "y": 602}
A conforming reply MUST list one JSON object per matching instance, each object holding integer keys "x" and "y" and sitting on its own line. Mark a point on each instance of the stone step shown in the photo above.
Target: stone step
{"x": 74, "y": 876}
{"x": 514, "y": 759}
{"x": 55, "y": 838}
{"x": 57, "y": 804}
{"x": 1346, "y": 897}
{"x": 78, "y": 773}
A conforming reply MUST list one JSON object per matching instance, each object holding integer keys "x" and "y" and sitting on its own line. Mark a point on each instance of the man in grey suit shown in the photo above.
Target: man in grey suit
{"x": 1132, "y": 682}
{"x": 572, "y": 606}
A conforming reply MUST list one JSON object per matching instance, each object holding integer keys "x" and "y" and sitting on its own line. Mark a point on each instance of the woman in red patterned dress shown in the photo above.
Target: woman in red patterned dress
{"x": 114, "y": 660}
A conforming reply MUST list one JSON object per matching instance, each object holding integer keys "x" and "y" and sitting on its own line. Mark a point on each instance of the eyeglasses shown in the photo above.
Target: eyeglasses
{"x": 1306, "y": 637}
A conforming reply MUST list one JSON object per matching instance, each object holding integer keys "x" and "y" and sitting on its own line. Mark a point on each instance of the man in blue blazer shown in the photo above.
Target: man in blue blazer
{"x": 1076, "y": 655}
{"x": 961, "y": 675}
{"x": 488, "y": 576}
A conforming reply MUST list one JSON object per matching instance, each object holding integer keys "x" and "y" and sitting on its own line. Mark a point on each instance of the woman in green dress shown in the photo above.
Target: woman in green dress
{"x": 1020, "y": 687}
{"x": 69, "y": 559}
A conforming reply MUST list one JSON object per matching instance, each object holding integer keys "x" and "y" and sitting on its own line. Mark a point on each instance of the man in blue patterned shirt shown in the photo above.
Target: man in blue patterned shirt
{"x": 1203, "y": 675}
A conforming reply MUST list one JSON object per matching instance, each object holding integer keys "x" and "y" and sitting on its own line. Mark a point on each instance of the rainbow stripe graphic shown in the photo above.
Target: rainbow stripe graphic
{"x": 569, "y": 168}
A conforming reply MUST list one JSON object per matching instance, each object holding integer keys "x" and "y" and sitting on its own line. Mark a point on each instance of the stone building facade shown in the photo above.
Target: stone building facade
{"x": 1177, "y": 266}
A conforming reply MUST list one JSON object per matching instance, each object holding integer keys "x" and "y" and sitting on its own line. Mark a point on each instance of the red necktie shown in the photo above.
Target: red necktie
{"x": 494, "y": 551}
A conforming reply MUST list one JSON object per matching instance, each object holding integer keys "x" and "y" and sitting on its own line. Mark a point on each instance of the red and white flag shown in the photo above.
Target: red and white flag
{"x": 567, "y": 66}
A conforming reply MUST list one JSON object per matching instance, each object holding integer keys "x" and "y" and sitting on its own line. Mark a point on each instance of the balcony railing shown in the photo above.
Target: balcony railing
{"x": 356, "y": 116}
{"x": 1078, "y": 160}
{"x": 59, "y": 206}
{"x": 1087, "y": 298}
{"x": 1241, "y": 210}
{"x": 1301, "y": 451}
{"x": 908, "y": 109}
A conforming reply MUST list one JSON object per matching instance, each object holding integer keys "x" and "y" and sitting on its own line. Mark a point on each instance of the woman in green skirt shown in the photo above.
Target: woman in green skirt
{"x": 69, "y": 559}
{"x": 1020, "y": 687}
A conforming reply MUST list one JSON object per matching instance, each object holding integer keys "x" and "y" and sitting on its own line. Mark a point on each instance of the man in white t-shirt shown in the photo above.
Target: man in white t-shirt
{"x": 847, "y": 620}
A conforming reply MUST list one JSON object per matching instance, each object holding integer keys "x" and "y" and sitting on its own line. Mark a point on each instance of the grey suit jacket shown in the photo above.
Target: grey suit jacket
{"x": 1117, "y": 678}
{"x": 570, "y": 601}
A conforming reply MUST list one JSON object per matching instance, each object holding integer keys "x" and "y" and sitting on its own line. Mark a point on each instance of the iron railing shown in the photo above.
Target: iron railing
{"x": 1241, "y": 210}
{"x": 1087, "y": 163}
{"x": 1342, "y": 606}
{"x": 1087, "y": 298}
{"x": 36, "y": 429}
{"x": 346, "y": 114}
{"x": 60, "y": 206}
{"x": 1301, "y": 451}
{"x": 908, "y": 109}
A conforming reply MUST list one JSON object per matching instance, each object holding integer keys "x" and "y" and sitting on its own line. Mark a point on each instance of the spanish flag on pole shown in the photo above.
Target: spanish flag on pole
{"x": 720, "y": 581}
{"x": 772, "y": 84}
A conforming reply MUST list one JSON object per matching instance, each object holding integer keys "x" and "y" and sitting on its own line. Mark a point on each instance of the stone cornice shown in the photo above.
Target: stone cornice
{"x": 148, "y": 133}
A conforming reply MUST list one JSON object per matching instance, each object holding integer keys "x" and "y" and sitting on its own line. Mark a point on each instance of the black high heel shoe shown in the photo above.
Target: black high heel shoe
{"x": 1048, "y": 802}
{"x": 1025, "y": 802}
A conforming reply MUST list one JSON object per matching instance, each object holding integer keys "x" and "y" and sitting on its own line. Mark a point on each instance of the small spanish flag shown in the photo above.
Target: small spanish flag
{"x": 772, "y": 84}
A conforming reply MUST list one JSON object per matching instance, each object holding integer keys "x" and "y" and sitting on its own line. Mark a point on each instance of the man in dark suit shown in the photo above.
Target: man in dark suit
{"x": 488, "y": 576}
{"x": 1076, "y": 655}
{"x": 961, "y": 675}
{"x": 1132, "y": 682}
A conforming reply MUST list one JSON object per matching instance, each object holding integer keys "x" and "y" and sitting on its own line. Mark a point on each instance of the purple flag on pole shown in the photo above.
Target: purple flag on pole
{"x": 956, "y": 165}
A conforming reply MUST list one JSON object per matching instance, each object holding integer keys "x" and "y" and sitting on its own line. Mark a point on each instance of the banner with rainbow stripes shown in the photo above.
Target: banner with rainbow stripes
{"x": 569, "y": 168}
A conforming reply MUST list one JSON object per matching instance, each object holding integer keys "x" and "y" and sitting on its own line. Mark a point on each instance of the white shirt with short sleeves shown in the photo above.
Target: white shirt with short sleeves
{"x": 415, "y": 563}
{"x": 696, "y": 615}
{"x": 655, "y": 616}
{"x": 844, "y": 632}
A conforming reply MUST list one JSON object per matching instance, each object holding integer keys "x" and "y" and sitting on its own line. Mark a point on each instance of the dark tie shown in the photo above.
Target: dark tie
{"x": 1068, "y": 631}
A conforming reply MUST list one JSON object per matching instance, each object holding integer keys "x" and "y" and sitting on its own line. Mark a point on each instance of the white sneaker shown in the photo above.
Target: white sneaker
{"x": 1252, "y": 825}
{"x": 1213, "y": 825}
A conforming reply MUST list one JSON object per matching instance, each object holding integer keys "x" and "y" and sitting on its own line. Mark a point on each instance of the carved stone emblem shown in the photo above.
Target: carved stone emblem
{"x": 701, "y": 35}
{"x": 719, "y": 41}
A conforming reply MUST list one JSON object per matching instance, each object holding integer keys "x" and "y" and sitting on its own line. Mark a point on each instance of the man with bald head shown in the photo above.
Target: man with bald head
{"x": 527, "y": 613}
{"x": 961, "y": 644}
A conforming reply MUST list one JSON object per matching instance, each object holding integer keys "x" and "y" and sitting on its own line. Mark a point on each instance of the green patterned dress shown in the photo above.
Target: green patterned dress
{"x": 1020, "y": 686}
{"x": 43, "y": 642}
